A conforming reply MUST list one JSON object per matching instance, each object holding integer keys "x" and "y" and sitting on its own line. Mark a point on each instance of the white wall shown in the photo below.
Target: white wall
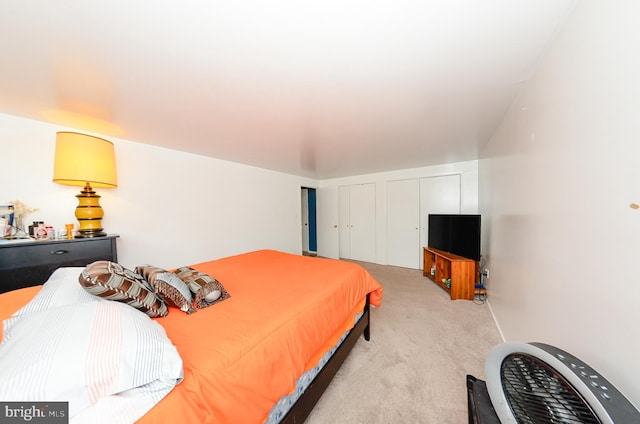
{"x": 170, "y": 208}
{"x": 468, "y": 172}
{"x": 556, "y": 182}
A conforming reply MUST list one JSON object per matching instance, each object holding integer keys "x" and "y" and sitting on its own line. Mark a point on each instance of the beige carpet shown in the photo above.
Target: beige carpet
{"x": 413, "y": 369}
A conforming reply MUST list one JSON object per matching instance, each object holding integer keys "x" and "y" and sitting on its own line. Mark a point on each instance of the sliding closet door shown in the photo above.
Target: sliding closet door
{"x": 437, "y": 195}
{"x": 403, "y": 222}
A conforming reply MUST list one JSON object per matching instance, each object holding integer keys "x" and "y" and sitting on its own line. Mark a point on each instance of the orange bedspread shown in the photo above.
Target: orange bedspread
{"x": 11, "y": 301}
{"x": 241, "y": 355}
{"x": 244, "y": 353}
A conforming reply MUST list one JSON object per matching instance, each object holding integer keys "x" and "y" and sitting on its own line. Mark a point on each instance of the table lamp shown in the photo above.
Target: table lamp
{"x": 84, "y": 160}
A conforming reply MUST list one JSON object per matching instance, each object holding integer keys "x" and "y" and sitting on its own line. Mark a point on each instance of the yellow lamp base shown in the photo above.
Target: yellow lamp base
{"x": 89, "y": 214}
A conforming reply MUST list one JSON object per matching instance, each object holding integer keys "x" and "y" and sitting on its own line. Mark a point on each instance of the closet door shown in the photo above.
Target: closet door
{"x": 362, "y": 222}
{"x": 328, "y": 222}
{"x": 403, "y": 223}
{"x": 344, "y": 222}
{"x": 357, "y": 216}
{"x": 437, "y": 195}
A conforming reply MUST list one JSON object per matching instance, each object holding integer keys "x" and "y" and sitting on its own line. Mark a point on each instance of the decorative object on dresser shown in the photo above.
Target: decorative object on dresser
{"x": 6, "y": 219}
{"x": 25, "y": 263}
{"x": 21, "y": 212}
{"x": 83, "y": 160}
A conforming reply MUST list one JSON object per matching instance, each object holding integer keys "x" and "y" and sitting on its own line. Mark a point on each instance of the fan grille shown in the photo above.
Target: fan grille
{"x": 538, "y": 394}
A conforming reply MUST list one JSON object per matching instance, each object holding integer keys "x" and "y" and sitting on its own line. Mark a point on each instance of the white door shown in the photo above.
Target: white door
{"x": 403, "y": 223}
{"x": 343, "y": 222}
{"x": 437, "y": 195}
{"x": 362, "y": 222}
{"x": 304, "y": 201}
{"x": 327, "y": 222}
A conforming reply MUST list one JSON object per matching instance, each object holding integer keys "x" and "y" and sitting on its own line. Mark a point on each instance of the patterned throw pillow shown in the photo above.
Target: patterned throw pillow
{"x": 172, "y": 289}
{"x": 206, "y": 289}
{"x": 112, "y": 281}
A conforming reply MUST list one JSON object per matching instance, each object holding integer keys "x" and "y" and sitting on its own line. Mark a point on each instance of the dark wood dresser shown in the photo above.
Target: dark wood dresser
{"x": 25, "y": 263}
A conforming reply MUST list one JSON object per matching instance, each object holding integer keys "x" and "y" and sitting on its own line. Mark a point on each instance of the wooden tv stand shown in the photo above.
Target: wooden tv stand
{"x": 440, "y": 266}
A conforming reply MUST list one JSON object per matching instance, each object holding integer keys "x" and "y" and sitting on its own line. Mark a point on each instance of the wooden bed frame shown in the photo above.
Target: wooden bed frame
{"x": 305, "y": 403}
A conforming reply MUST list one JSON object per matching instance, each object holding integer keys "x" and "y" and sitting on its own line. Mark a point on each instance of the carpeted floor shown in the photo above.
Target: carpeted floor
{"x": 413, "y": 369}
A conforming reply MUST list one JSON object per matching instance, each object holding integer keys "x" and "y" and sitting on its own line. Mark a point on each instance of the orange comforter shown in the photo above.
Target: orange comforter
{"x": 244, "y": 353}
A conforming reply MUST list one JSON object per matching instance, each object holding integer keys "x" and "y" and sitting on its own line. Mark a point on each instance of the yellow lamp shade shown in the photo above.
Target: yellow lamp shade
{"x": 82, "y": 159}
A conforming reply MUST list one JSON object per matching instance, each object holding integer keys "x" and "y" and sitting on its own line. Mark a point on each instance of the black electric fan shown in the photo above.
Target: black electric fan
{"x": 535, "y": 383}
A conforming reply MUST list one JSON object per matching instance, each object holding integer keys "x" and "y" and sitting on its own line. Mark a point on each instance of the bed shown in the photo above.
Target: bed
{"x": 254, "y": 357}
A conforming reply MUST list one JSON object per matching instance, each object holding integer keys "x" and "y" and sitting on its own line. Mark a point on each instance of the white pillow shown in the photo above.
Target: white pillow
{"x": 91, "y": 353}
{"x": 62, "y": 288}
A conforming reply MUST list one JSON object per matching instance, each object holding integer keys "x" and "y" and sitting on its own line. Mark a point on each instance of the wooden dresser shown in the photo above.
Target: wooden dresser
{"x": 25, "y": 263}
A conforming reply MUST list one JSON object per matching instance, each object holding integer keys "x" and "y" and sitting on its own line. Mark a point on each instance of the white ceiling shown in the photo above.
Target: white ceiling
{"x": 320, "y": 89}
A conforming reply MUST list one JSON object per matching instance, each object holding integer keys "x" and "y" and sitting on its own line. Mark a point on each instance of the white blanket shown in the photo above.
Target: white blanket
{"x": 111, "y": 362}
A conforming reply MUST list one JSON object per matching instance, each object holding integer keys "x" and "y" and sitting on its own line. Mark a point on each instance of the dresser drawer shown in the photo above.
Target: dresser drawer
{"x": 31, "y": 263}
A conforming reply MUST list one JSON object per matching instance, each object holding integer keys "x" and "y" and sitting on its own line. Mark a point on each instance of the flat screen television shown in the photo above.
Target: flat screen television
{"x": 455, "y": 233}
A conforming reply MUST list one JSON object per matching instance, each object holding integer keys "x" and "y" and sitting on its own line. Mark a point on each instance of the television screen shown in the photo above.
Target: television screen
{"x": 457, "y": 234}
